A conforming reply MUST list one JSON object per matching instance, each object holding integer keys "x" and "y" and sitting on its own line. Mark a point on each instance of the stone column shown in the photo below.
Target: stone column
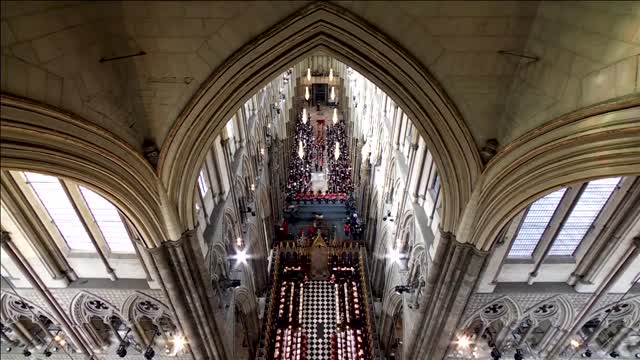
{"x": 181, "y": 268}
{"x": 454, "y": 273}
{"x": 27, "y": 271}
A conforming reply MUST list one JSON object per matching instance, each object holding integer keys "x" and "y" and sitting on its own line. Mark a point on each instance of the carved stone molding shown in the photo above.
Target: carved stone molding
{"x": 38, "y": 138}
{"x": 566, "y": 151}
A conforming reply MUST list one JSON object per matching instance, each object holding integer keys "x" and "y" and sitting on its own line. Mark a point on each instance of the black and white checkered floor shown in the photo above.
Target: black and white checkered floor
{"x": 319, "y": 318}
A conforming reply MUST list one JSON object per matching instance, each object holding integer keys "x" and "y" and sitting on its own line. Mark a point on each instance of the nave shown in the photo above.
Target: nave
{"x": 318, "y": 306}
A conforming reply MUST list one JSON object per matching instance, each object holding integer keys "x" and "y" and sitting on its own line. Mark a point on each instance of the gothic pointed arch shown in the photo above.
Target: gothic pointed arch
{"x": 140, "y": 304}
{"x": 544, "y": 322}
{"x": 148, "y": 315}
{"x": 100, "y": 320}
{"x": 581, "y": 146}
{"x": 328, "y": 28}
{"x": 494, "y": 320}
{"x": 14, "y": 307}
{"x": 35, "y": 137}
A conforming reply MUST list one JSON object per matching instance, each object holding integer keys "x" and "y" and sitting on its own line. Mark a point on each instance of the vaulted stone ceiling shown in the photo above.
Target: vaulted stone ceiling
{"x": 51, "y": 52}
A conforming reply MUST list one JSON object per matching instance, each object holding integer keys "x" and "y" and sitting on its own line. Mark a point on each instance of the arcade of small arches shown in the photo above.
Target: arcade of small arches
{"x": 321, "y": 203}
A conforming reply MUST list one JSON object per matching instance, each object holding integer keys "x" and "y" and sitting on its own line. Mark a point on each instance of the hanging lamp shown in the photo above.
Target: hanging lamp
{"x": 333, "y": 93}
{"x": 306, "y": 93}
{"x": 304, "y": 115}
{"x": 308, "y": 74}
{"x": 330, "y": 74}
{"x": 335, "y": 116}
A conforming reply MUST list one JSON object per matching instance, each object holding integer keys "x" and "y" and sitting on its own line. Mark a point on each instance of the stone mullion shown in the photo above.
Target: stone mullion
{"x": 416, "y": 178}
{"x": 29, "y": 273}
{"x": 216, "y": 171}
{"x": 142, "y": 255}
{"x": 25, "y": 335}
{"x": 559, "y": 217}
{"x": 101, "y": 248}
{"x": 424, "y": 181}
{"x": 609, "y": 238}
{"x": 182, "y": 271}
{"x": 35, "y": 231}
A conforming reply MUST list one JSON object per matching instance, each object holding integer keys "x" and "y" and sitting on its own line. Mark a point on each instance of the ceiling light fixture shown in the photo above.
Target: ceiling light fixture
{"x": 304, "y": 115}
{"x": 336, "y": 152}
{"x": 330, "y": 74}
{"x": 306, "y": 93}
{"x": 335, "y": 116}
{"x": 308, "y": 74}
{"x": 300, "y": 150}
{"x": 333, "y": 93}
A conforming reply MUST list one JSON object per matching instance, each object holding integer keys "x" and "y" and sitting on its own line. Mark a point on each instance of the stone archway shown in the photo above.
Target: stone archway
{"x": 571, "y": 149}
{"x": 329, "y": 29}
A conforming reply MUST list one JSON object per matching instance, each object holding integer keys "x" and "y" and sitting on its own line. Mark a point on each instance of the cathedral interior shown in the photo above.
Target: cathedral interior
{"x": 331, "y": 180}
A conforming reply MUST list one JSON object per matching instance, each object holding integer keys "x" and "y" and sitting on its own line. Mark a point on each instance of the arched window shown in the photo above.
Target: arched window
{"x": 28, "y": 328}
{"x": 153, "y": 324}
{"x": 81, "y": 219}
{"x": 575, "y": 209}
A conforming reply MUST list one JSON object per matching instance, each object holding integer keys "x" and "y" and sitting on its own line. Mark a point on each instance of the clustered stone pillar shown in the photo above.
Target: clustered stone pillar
{"x": 456, "y": 267}
{"x": 181, "y": 267}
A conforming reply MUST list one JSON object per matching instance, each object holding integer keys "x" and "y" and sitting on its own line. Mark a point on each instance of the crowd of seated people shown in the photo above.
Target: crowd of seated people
{"x": 317, "y": 197}
{"x": 286, "y": 338}
{"x": 352, "y": 338}
{"x": 339, "y": 179}
{"x": 299, "y": 179}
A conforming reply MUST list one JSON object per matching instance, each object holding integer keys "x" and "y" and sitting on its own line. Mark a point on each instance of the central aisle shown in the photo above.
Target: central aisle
{"x": 319, "y": 318}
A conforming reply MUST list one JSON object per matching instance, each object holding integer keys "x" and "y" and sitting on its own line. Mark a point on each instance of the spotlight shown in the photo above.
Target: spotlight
{"x": 394, "y": 255}
{"x": 587, "y": 354}
{"x": 637, "y": 356}
{"x": 149, "y": 353}
{"x": 495, "y": 354}
{"x": 518, "y": 355}
{"x": 463, "y": 342}
{"x": 178, "y": 343}
{"x": 26, "y": 353}
{"x": 614, "y": 354}
{"x": 242, "y": 256}
{"x": 8, "y": 349}
{"x": 47, "y": 353}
